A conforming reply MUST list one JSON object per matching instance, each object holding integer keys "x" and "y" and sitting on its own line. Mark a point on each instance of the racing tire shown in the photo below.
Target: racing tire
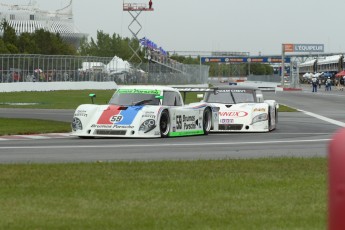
{"x": 274, "y": 126}
{"x": 207, "y": 120}
{"x": 269, "y": 120}
{"x": 164, "y": 124}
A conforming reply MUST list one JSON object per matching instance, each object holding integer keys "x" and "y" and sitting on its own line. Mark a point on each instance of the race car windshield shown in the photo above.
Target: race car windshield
{"x": 230, "y": 97}
{"x": 134, "y": 99}
{"x": 246, "y": 97}
{"x": 220, "y": 97}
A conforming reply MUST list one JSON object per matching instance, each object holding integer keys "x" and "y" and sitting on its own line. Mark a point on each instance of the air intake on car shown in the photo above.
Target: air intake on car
{"x": 110, "y": 132}
{"x": 230, "y": 127}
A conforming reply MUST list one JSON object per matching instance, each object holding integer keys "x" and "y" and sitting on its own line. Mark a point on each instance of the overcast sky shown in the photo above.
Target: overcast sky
{"x": 217, "y": 25}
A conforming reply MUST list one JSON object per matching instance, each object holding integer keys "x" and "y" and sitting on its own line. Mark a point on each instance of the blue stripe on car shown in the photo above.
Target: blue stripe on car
{"x": 129, "y": 115}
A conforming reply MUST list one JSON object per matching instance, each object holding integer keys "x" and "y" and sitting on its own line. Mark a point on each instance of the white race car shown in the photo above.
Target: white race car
{"x": 143, "y": 112}
{"x": 242, "y": 109}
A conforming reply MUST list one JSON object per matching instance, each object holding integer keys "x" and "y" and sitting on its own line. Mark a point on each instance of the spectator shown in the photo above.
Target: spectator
{"x": 342, "y": 81}
{"x": 320, "y": 82}
{"x": 150, "y": 4}
{"x": 314, "y": 82}
{"x": 328, "y": 84}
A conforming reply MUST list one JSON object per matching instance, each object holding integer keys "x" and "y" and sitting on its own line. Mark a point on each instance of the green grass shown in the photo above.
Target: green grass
{"x": 11, "y": 126}
{"x": 64, "y": 99}
{"x": 287, "y": 193}
{"x": 284, "y": 108}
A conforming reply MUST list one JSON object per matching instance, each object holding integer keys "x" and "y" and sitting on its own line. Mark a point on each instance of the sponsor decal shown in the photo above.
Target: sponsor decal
{"x": 123, "y": 126}
{"x": 259, "y": 110}
{"x": 231, "y": 90}
{"x": 214, "y": 60}
{"x": 189, "y": 122}
{"x": 101, "y": 126}
{"x": 288, "y": 47}
{"x": 256, "y": 60}
{"x": 140, "y": 91}
{"x": 304, "y": 47}
{"x": 236, "y": 59}
{"x": 233, "y": 114}
{"x": 195, "y": 90}
{"x": 184, "y": 122}
{"x": 80, "y": 115}
{"x": 149, "y": 116}
{"x": 226, "y": 121}
{"x": 308, "y": 48}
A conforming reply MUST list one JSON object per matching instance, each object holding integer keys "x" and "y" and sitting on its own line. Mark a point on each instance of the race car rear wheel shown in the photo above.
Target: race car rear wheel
{"x": 207, "y": 120}
{"x": 271, "y": 125}
{"x": 164, "y": 124}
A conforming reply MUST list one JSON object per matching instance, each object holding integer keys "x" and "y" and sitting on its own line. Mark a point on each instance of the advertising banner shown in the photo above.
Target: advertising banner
{"x": 263, "y": 59}
{"x": 309, "y": 48}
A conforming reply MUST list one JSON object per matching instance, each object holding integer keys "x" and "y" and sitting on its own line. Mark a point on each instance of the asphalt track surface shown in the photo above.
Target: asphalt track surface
{"x": 299, "y": 134}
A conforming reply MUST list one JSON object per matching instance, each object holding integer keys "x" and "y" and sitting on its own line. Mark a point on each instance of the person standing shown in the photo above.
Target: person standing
{"x": 314, "y": 84}
{"x": 342, "y": 82}
{"x": 150, "y": 4}
{"x": 328, "y": 84}
{"x": 319, "y": 82}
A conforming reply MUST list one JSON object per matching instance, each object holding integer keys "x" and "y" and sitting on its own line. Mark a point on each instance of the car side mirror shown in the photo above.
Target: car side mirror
{"x": 92, "y": 96}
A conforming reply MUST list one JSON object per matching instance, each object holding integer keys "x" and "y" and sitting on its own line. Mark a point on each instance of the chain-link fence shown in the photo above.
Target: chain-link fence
{"x": 46, "y": 68}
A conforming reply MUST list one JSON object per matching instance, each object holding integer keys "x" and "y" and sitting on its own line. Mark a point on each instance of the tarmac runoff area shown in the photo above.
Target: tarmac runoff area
{"x": 264, "y": 85}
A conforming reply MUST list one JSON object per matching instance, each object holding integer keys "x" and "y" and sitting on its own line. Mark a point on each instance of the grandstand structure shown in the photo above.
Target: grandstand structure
{"x": 29, "y": 18}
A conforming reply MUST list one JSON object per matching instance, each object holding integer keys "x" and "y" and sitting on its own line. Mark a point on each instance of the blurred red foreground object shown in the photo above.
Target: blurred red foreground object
{"x": 336, "y": 180}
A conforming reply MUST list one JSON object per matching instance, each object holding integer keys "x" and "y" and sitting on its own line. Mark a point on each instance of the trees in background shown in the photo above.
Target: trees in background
{"x": 44, "y": 42}
{"x": 39, "y": 42}
{"x": 109, "y": 46}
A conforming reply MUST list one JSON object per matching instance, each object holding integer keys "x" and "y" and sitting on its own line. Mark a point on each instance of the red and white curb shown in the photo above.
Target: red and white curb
{"x": 34, "y": 136}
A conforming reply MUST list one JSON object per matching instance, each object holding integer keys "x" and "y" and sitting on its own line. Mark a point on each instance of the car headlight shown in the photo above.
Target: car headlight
{"x": 260, "y": 117}
{"x": 76, "y": 124}
{"x": 147, "y": 125}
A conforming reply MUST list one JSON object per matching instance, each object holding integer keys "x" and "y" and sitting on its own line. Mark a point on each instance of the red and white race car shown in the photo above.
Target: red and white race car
{"x": 143, "y": 112}
{"x": 242, "y": 109}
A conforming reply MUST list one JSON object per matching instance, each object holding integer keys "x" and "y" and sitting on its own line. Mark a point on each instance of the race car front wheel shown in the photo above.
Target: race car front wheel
{"x": 207, "y": 120}
{"x": 164, "y": 124}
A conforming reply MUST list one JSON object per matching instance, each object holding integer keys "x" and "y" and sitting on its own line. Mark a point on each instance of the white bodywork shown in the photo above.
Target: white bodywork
{"x": 249, "y": 113}
{"x": 143, "y": 118}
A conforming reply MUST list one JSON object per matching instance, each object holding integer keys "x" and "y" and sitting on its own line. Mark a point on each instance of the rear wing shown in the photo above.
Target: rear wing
{"x": 257, "y": 91}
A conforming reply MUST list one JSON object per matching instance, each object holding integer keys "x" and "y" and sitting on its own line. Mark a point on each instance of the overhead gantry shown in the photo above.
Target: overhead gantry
{"x": 135, "y": 9}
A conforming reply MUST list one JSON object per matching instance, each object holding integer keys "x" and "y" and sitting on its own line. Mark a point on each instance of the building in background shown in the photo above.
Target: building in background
{"x": 28, "y": 18}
